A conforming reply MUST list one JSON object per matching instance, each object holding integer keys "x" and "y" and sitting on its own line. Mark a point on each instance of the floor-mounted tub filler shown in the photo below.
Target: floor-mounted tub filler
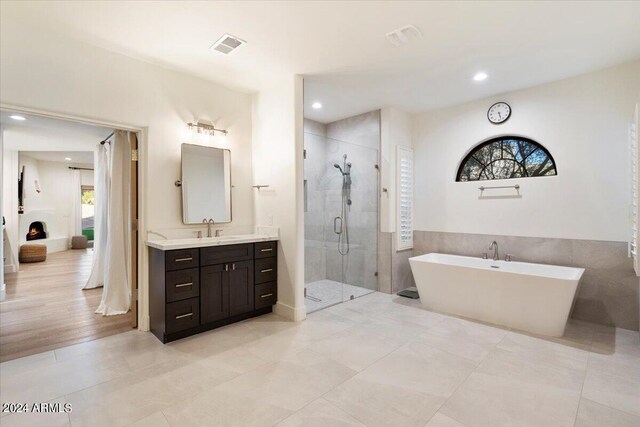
{"x": 531, "y": 297}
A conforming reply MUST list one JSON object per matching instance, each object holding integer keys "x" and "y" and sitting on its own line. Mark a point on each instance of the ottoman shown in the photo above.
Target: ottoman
{"x": 32, "y": 252}
{"x": 79, "y": 242}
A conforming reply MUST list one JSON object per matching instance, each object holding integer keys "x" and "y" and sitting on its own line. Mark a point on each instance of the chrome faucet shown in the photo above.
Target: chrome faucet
{"x": 494, "y": 246}
{"x": 209, "y": 224}
{"x": 218, "y": 232}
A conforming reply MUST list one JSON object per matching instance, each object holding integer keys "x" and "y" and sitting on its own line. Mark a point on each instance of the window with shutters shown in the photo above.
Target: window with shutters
{"x": 404, "y": 168}
{"x": 506, "y": 157}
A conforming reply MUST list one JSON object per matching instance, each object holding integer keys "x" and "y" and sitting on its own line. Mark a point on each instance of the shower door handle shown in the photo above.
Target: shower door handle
{"x": 336, "y": 229}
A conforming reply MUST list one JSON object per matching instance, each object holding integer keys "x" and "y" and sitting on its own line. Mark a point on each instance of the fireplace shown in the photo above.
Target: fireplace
{"x": 37, "y": 230}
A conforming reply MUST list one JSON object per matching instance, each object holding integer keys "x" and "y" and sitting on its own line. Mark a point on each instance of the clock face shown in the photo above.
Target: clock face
{"x": 499, "y": 112}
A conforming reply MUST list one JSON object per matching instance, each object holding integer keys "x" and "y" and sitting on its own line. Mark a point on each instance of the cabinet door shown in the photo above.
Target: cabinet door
{"x": 214, "y": 293}
{"x": 241, "y": 290}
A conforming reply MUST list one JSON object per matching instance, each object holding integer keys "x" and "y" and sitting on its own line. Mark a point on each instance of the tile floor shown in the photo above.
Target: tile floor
{"x": 379, "y": 360}
{"x": 330, "y": 292}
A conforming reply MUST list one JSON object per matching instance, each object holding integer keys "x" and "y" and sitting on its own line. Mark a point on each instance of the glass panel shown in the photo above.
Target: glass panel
{"x": 340, "y": 221}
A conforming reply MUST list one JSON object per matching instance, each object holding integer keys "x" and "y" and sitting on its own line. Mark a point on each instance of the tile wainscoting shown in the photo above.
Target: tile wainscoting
{"x": 394, "y": 273}
{"x": 608, "y": 292}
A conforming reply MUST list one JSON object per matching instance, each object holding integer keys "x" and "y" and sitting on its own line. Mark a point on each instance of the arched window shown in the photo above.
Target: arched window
{"x": 506, "y": 157}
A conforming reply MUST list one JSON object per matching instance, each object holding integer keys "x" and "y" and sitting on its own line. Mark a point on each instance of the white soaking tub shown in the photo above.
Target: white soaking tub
{"x": 530, "y": 297}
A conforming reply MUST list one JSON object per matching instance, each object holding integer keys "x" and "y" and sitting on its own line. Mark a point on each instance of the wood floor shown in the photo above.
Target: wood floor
{"x": 46, "y": 307}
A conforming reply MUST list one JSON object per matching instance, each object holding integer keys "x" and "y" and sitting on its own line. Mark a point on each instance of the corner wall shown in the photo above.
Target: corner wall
{"x": 393, "y": 264}
{"x": 278, "y": 149}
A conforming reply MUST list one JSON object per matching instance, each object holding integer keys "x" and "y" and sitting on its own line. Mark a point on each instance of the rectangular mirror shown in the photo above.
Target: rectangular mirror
{"x": 206, "y": 184}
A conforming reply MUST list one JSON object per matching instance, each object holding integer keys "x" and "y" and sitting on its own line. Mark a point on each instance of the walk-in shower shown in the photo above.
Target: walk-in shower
{"x": 341, "y": 215}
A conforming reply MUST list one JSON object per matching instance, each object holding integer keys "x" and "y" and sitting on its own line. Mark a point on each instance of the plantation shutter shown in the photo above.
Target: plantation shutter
{"x": 404, "y": 167}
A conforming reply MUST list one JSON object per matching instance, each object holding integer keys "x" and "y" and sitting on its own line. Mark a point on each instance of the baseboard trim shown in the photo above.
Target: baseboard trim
{"x": 145, "y": 322}
{"x": 297, "y": 314}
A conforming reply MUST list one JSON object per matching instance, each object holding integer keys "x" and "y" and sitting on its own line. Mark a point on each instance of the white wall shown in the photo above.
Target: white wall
{"x": 56, "y": 193}
{"x": 115, "y": 88}
{"x": 395, "y": 130}
{"x": 278, "y": 144}
{"x": 10, "y": 204}
{"x": 2, "y": 285}
{"x": 56, "y": 74}
{"x": 582, "y": 121}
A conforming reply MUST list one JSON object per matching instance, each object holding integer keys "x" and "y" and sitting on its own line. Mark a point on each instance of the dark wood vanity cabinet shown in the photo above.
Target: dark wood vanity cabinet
{"x": 197, "y": 289}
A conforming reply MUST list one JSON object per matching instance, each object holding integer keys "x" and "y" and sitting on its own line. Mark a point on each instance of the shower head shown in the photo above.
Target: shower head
{"x": 337, "y": 166}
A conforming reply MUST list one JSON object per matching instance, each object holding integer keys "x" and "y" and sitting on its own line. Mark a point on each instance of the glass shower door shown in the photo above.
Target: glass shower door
{"x": 351, "y": 217}
{"x": 341, "y": 221}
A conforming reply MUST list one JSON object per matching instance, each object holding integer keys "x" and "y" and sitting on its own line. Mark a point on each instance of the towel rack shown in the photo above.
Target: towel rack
{"x": 482, "y": 188}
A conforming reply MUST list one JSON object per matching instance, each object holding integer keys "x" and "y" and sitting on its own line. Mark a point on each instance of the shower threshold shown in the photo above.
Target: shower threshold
{"x": 325, "y": 293}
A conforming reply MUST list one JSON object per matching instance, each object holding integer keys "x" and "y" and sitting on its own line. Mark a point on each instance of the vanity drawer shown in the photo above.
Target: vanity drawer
{"x": 266, "y": 270}
{"x": 213, "y": 255}
{"x": 266, "y": 294}
{"x": 265, "y": 249}
{"x": 182, "y": 315}
{"x": 182, "y": 284}
{"x": 182, "y": 259}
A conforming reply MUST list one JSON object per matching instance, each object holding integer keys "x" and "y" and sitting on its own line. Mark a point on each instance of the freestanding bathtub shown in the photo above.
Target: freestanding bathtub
{"x": 530, "y": 297}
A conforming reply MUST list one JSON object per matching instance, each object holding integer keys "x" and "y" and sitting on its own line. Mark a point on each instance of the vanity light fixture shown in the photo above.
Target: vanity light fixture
{"x": 480, "y": 77}
{"x": 17, "y": 117}
{"x": 204, "y": 128}
{"x": 316, "y": 105}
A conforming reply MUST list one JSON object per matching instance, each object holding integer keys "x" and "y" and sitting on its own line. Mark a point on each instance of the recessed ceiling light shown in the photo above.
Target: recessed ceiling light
{"x": 316, "y": 105}
{"x": 480, "y": 77}
{"x": 17, "y": 117}
{"x": 68, "y": 159}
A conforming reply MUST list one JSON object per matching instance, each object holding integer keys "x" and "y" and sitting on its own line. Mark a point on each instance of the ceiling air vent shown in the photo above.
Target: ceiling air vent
{"x": 404, "y": 35}
{"x": 227, "y": 44}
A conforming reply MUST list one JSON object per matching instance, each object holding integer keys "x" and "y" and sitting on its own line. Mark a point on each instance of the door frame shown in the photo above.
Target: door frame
{"x": 142, "y": 315}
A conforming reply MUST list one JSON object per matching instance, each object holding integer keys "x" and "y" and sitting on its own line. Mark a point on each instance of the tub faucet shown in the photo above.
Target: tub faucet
{"x": 494, "y": 246}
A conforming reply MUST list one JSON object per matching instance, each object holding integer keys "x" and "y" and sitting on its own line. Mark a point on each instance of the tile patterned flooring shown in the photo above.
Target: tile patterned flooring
{"x": 330, "y": 292}
{"x": 379, "y": 360}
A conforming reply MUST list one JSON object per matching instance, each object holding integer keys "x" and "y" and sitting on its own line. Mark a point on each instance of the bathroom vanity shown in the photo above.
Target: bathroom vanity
{"x": 197, "y": 284}
{"x": 208, "y": 283}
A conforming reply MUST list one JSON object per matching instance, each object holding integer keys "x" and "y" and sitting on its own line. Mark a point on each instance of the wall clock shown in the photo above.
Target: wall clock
{"x": 499, "y": 113}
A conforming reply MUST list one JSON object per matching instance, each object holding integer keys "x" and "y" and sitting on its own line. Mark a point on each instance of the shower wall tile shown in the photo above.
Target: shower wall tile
{"x": 608, "y": 291}
{"x": 363, "y": 130}
{"x": 315, "y": 128}
{"x": 314, "y": 262}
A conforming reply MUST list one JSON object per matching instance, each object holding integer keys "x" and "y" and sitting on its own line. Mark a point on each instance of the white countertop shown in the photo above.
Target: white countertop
{"x": 194, "y": 242}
